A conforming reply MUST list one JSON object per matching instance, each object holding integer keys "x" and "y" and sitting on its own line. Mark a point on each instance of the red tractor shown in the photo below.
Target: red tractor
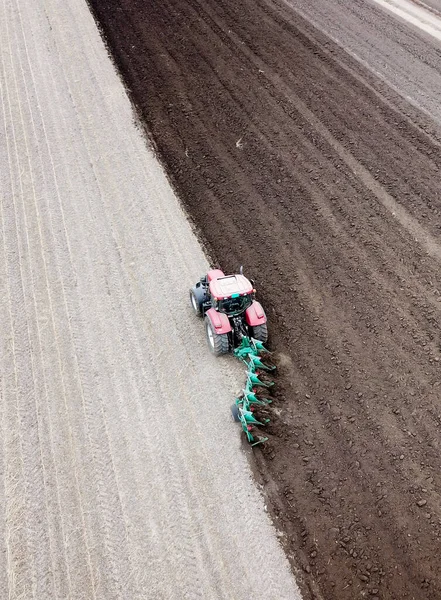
{"x": 228, "y": 306}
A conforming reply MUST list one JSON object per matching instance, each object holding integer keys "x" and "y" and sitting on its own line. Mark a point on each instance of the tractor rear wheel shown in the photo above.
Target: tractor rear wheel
{"x": 260, "y": 333}
{"x": 217, "y": 342}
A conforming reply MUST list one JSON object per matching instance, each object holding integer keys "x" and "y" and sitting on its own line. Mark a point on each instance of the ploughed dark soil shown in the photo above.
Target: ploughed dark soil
{"x": 289, "y": 157}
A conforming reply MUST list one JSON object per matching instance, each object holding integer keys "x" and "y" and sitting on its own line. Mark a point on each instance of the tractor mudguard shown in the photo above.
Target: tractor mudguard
{"x": 220, "y": 321}
{"x": 255, "y": 315}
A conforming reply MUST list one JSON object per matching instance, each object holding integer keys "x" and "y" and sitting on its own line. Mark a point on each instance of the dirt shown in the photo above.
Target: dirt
{"x": 294, "y": 161}
{"x": 112, "y": 485}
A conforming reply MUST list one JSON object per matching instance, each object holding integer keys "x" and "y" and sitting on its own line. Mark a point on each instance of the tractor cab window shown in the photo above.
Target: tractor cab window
{"x": 235, "y": 305}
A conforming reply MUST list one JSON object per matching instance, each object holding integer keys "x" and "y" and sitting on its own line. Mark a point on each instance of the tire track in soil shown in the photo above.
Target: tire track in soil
{"x": 66, "y": 572}
{"x": 27, "y": 427}
{"x": 169, "y": 469}
{"x": 353, "y": 298}
{"x": 58, "y": 358}
{"x": 106, "y": 490}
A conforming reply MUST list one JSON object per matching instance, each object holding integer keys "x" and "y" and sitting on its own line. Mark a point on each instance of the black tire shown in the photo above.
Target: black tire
{"x": 197, "y": 298}
{"x": 235, "y": 413}
{"x": 260, "y": 333}
{"x": 217, "y": 342}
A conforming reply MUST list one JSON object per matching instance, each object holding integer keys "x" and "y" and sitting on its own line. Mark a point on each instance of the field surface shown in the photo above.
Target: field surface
{"x": 122, "y": 475}
{"x": 303, "y": 138}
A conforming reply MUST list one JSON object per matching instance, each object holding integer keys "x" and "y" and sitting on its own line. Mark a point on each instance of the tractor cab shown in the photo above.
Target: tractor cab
{"x": 231, "y": 294}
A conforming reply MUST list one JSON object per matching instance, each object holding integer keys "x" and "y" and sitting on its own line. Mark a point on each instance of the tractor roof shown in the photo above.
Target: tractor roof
{"x": 224, "y": 287}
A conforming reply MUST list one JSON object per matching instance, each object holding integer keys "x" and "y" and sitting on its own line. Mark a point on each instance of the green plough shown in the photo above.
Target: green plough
{"x": 242, "y": 409}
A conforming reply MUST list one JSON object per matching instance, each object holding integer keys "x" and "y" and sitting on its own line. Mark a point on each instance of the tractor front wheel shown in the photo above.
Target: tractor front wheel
{"x": 260, "y": 333}
{"x": 197, "y": 296}
{"x": 218, "y": 342}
